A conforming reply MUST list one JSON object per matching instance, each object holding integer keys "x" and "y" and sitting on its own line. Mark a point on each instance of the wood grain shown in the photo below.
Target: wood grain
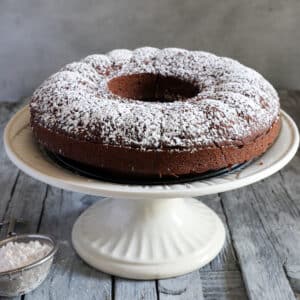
{"x": 188, "y": 286}
{"x": 134, "y": 289}
{"x": 223, "y": 285}
{"x": 261, "y": 267}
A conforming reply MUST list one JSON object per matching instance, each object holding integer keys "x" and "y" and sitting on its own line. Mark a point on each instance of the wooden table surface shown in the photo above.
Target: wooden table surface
{"x": 261, "y": 258}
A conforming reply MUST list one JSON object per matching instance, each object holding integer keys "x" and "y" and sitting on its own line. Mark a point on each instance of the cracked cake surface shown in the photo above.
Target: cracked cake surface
{"x": 232, "y": 105}
{"x": 233, "y": 102}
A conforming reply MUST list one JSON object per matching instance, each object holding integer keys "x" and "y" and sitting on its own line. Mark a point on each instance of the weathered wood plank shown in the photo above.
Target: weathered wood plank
{"x": 8, "y": 173}
{"x": 188, "y": 286}
{"x": 223, "y": 285}
{"x": 134, "y": 289}
{"x": 279, "y": 216}
{"x": 222, "y": 278}
{"x": 70, "y": 277}
{"x": 27, "y": 203}
{"x": 293, "y": 274}
{"x": 208, "y": 285}
{"x": 261, "y": 267}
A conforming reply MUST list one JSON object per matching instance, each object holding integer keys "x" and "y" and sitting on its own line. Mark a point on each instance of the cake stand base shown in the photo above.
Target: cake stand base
{"x": 148, "y": 238}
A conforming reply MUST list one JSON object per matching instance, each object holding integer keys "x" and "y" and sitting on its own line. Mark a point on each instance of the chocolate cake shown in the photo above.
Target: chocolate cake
{"x": 156, "y": 113}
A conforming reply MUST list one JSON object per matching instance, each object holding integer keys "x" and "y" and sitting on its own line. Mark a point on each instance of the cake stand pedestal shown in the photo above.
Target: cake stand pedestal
{"x": 143, "y": 231}
{"x": 148, "y": 238}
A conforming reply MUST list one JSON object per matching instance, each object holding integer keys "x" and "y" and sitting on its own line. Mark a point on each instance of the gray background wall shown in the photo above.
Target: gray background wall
{"x": 39, "y": 36}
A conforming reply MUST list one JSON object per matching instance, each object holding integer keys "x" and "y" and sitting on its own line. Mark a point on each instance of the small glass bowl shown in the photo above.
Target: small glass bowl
{"x": 22, "y": 280}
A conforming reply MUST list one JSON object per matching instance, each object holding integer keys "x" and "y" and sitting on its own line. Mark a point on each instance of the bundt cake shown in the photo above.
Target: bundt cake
{"x": 156, "y": 113}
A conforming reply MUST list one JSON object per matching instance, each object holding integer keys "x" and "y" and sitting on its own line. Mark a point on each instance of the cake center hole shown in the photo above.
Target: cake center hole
{"x": 152, "y": 87}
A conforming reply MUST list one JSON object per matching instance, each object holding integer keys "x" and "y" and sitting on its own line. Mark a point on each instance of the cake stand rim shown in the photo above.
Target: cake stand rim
{"x": 101, "y": 188}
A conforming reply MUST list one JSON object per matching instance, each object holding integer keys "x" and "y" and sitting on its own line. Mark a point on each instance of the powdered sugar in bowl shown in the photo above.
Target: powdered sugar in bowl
{"x": 25, "y": 263}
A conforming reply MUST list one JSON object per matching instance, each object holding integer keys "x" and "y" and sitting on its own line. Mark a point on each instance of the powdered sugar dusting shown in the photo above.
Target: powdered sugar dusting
{"x": 17, "y": 254}
{"x": 233, "y": 102}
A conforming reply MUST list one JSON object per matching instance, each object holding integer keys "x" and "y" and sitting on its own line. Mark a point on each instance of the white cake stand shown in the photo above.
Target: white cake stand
{"x": 145, "y": 232}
